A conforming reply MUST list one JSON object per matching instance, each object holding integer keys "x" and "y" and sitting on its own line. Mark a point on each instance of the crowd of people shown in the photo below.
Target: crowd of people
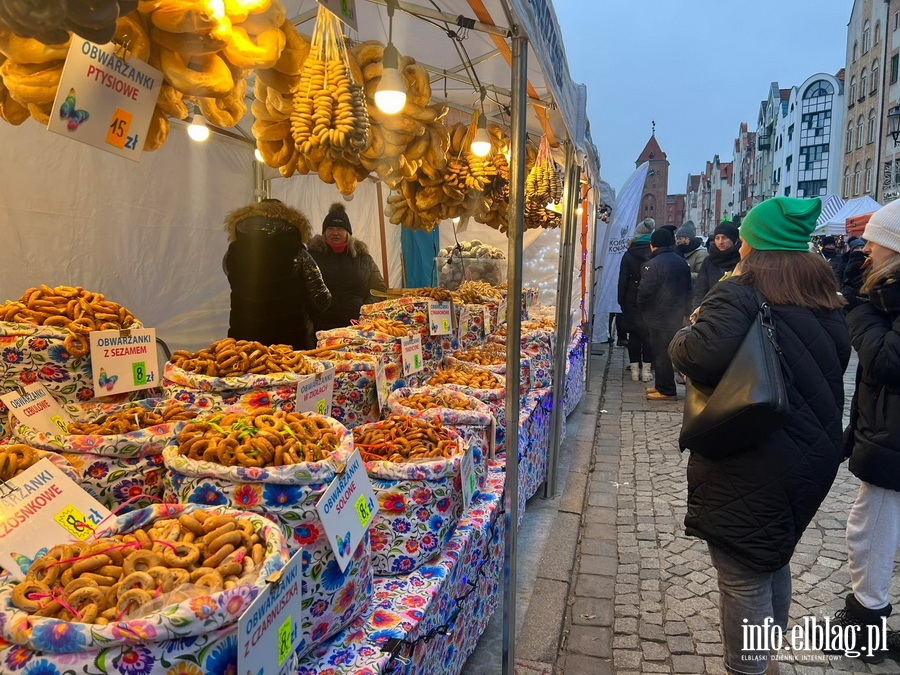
{"x": 688, "y": 310}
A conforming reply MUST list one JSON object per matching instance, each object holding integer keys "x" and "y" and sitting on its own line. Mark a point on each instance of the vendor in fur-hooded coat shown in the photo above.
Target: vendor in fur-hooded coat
{"x": 349, "y": 271}
{"x": 276, "y": 286}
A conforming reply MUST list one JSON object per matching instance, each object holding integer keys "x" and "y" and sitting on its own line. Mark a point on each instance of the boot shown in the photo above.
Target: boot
{"x": 854, "y": 614}
{"x": 635, "y": 371}
{"x": 645, "y": 373}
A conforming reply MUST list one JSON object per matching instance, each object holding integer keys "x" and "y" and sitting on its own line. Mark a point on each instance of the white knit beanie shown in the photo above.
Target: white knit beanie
{"x": 884, "y": 227}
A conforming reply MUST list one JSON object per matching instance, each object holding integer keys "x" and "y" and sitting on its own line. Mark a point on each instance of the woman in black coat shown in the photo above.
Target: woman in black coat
{"x": 349, "y": 271}
{"x": 276, "y": 286}
{"x": 629, "y": 277}
{"x": 752, "y": 505}
{"x": 724, "y": 255}
{"x": 873, "y": 525}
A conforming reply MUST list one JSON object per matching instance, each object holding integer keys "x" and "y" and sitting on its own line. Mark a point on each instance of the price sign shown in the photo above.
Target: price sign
{"x": 382, "y": 387}
{"x": 492, "y": 438}
{"x": 487, "y": 321}
{"x": 124, "y": 360}
{"x": 468, "y": 478}
{"x": 269, "y": 630}
{"x": 37, "y": 409}
{"x": 501, "y": 311}
{"x": 440, "y": 318}
{"x": 345, "y": 10}
{"x": 346, "y": 509}
{"x": 40, "y": 508}
{"x": 412, "y": 353}
{"x": 315, "y": 394}
{"x": 104, "y": 100}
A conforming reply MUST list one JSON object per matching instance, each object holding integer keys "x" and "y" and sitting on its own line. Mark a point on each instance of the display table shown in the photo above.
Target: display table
{"x": 430, "y": 620}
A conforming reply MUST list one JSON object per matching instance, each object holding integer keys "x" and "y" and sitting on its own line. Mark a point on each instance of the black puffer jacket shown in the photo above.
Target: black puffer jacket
{"x": 714, "y": 268}
{"x": 275, "y": 284}
{"x": 664, "y": 293}
{"x": 629, "y": 277}
{"x": 875, "y": 331}
{"x": 349, "y": 276}
{"x": 853, "y": 278}
{"x": 756, "y": 503}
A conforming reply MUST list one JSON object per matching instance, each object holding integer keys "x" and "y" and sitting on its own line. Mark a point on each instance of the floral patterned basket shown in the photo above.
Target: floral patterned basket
{"x": 196, "y": 636}
{"x": 470, "y": 319}
{"x": 116, "y": 468}
{"x": 495, "y": 400}
{"x": 414, "y": 312}
{"x": 287, "y": 495}
{"x": 241, "y": 393}
{"x": 499, "y": 369}
{"x": 474, "y": 426}
{"x": 576, "y": 365}
{"x": 419, "y": 506}
{"x": 31, "y": 353}
{"x": 355, "y": 400}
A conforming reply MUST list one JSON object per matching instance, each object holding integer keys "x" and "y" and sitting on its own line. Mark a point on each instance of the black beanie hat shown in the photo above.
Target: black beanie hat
{"x": 662, "y": 237}
{"x": 729, "y": 229}
{"x": 829, "y": 241}
{"x": 337, "y": 217}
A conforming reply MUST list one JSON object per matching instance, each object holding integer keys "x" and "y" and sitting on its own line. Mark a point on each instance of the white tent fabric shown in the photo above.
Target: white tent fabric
{"x": 619, "y": 232}
{"x": 149, "y": 236}
{"x": 853, "y": 207}
{"x": 831, "y": 204}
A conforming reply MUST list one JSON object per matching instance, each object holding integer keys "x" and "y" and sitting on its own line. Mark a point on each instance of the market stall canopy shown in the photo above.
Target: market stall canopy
{"x": 447, "y": 38}
{"x": 831, "y": 204}
{"x": 853, "y": 207}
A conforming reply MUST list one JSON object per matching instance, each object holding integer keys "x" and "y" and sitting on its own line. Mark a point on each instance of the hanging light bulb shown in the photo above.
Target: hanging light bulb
{"x": 455, "y": 220}
{"x": 197, "y": 129}
{"x": 481, "y": 142}
{"x": 390, "y": 95}
{"x": 258, "y": 155}
{"x": 579, "y": 210}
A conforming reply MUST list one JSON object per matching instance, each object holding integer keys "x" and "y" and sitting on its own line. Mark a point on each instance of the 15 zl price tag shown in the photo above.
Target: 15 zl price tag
{"x": 119, "y": 126}
{"x": 440, "y": 321}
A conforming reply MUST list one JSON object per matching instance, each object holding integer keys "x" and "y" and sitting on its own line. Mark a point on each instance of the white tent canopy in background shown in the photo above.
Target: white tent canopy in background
{"x": 831, "y": 204}
{"x": 853, "y": 207}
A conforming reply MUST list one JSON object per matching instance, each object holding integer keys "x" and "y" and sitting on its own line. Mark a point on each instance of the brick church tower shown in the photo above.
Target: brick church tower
{"x": 656, "y": 185}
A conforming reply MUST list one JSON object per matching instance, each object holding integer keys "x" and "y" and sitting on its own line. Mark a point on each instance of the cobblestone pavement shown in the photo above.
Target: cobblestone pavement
{"x": 645, "y": 598}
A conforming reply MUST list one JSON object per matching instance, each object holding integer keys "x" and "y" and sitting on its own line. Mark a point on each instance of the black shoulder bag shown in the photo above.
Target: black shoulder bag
{"x": 747, "y": 405}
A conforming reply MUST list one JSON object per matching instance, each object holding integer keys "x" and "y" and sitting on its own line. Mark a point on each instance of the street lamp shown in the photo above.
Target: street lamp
{"x": 894, "y": 124}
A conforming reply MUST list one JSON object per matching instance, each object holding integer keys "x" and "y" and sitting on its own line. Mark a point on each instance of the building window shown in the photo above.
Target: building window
{"x": 857, "y": 174}
{"x": 790, "y": 133}
{"x": 859, "y": 132}
{"x": 868, "y": 176}
{"x": 817, "y": 188}
{"x": 818, "y": 88}
{"x": 846, "y": 183}
{"x": 867, "y": 37}
{"x": 863, "y": 84}
{"x": 850, "y": 137}
{"x": 874, "y": 76}
{"x": 811, "y": 154}
{"x": 895, "y": 67}
{"x": 787, "y": 162}
{"x": 896, "y": 20}
{"x": 855, "y": 46}
{"x": 877, "y": 31}
{"x": 871, "y": 137}
{"x": 852, "y": 91}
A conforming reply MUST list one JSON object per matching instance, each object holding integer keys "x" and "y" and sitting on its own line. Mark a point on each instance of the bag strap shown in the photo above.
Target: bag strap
{"x": 768, "y": 324}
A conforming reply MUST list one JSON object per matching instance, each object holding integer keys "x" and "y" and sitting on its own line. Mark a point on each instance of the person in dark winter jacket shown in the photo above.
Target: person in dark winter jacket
{"x": 349, "y": 271}
{"x": 690, "y": 247}
{"x": 853, "y": 272}
{"x": 724, "y": 255}
{"x": 837, "y": 260}
{"x": 664, "y": 295}
{"x": 873, "y": 525}
{"x": 752, "y": 505}
{"x": 275, "y": 284}
{"x": 639, "y": 354}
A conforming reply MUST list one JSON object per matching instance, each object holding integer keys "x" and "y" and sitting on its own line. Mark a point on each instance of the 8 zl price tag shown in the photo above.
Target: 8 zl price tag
{"x": 411, "y": 347}
{"x": 439, "y": 320}
{"x": 75, "y": 522}
{"x": 285, "y": 639}
{"x": 119, "y": 125}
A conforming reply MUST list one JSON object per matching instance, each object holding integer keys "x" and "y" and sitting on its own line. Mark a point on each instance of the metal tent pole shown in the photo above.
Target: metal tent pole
{"x": 518, "y": 104}
{"x": 571, "y": 191}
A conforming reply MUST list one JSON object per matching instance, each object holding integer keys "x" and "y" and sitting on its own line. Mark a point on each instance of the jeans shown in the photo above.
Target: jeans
{"x": 662, "y": 364}
{"x": 747, "y": 594}
{"x": 639, "y": 346}
{"x": 873, "y": 538}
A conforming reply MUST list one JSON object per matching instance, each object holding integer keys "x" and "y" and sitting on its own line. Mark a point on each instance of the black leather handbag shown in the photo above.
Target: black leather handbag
{"x": 747, "y": 405}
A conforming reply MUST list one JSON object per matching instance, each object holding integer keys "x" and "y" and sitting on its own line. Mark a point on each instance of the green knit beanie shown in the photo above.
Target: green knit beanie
{"x": 781, "y": 224}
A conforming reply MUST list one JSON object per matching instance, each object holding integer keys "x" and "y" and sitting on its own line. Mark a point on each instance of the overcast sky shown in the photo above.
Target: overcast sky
{"x": 697, "y": 67}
